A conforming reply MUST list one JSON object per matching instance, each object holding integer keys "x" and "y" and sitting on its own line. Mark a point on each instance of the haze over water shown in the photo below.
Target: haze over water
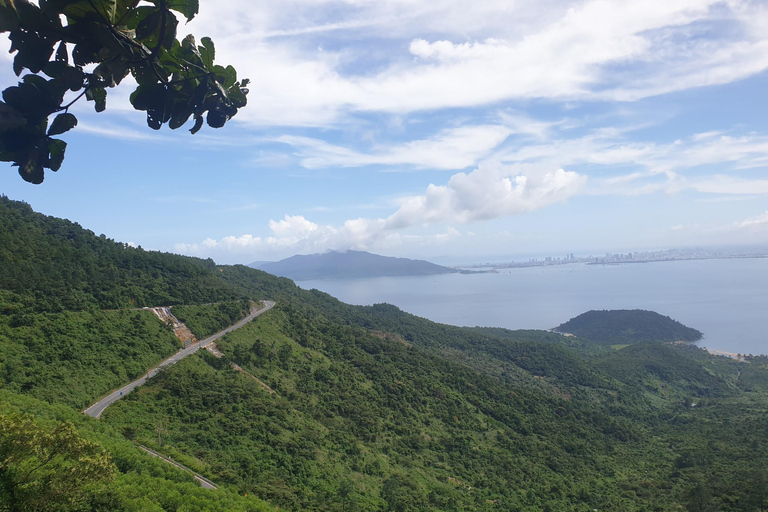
{"x": 725, "y": 299}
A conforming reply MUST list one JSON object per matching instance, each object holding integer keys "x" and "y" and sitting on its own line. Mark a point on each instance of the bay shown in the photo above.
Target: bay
{"x": 726, "y": 299}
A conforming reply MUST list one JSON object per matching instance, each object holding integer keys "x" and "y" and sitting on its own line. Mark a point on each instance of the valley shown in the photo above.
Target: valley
{"x": 373, "y": 409}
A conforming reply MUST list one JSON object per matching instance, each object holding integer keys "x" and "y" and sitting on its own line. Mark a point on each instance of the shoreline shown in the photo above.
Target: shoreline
{"x": 732, "y": 355}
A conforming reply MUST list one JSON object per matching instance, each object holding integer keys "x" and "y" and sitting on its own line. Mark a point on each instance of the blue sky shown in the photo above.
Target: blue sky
{"x": 454, "y": 131}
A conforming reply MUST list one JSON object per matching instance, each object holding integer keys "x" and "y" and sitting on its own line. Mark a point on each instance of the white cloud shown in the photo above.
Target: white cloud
{"x": 723, "y": 184}
{"x": 479, "y": 53}
{"x": 753, "y": 230}
{"x": 454, "y": 148}
{"x": 402, "y": 56}
{"x": 654, "y": 167}
{"x": 488, "y": 192}
{"x": 758, "y": 221}
{"x": 292, "y": 226}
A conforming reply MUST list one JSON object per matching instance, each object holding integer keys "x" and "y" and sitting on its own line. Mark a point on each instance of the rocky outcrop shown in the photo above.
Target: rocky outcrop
{"x": 179, "y": 329}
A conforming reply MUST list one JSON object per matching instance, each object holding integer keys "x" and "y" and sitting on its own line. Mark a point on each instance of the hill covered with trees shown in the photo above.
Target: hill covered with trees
{"x": 340, "y": 408}
{"x": 627, "y": 326}
{"x": 349, "y": 264}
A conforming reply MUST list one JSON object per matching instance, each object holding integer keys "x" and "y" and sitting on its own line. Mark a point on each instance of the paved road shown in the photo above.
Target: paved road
{"x": 204, "y": 482}
{"x": 96, "y": 409}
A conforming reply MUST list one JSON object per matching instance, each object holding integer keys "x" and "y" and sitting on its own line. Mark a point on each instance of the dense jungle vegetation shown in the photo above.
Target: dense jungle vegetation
{"x": 372, "y": 409}
{"x": 626, "y": 326}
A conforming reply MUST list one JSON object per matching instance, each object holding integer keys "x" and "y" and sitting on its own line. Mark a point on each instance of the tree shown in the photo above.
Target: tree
{"x": 59, "y": 39}
{"x": 47, "y": 468}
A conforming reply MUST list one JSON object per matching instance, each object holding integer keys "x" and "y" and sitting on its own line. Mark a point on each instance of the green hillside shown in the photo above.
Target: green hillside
{"x": 341, "y": 408}
{"x": 626, "y": 326}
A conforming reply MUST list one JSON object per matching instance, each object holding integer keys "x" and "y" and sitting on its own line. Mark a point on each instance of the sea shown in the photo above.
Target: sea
{"x": 726, "y": 299}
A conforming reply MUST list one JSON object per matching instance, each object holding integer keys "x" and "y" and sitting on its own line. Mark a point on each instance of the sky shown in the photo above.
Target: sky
{"x": 447, "y": 130}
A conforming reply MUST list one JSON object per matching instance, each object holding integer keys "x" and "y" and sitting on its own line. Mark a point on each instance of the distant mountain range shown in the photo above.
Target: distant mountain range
{"x": 349, "y": 264}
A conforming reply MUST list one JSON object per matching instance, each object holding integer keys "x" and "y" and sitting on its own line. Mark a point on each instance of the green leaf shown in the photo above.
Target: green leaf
{"x": 85, "y": 52}
{"x": 101, "y": 10}
{"x": 78, "y": 10}
{"x": 33, "y": 19}
{"x": 9, "y": 19}
{"x": 33, "y": 51}
{"x": 180, "y": 115}
{"x": 31, "y": 168}
{"x": 216, "y": 118}
{"x": 109, "y": 9}
{"x": 170, "y": 31}
{"x": 70, "y": 76}
{"x": 198, "y": 124}
{"x": 188, "y": 8}
{"x": 207, "y": 52}
{"x": 118, "y": 69}
{"x": 237, "y": 97}
{"x": 98, "y": 95}
{"x": 56, "y": 150}
{"x": 190, "y": 54}
{"x": 225, "y": 76}
{"x": 62, "y": 123}
{"x": 10, "y": 118}
{"x": 138, "y": 15}
{"x": 146, "y": 97}
{"x": 149, "y": 26}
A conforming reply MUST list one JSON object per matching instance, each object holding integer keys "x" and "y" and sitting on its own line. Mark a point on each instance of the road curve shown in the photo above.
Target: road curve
{"x": 96, "y": 409}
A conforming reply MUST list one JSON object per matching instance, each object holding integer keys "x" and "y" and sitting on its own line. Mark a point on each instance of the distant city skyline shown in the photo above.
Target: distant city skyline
{"x": 451, "y": 130}
{"x": 672, "y": 254}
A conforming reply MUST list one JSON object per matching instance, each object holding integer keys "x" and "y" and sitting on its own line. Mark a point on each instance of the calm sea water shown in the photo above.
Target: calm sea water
{"x": 725, "y": 299}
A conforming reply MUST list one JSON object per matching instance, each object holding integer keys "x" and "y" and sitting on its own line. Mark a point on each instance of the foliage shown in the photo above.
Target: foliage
{"x": 625, "y": 326}
{"x": 56, "y": 265}
{"x": 208, "y": 319}
{"x": 411, "y": 427}
{"x": 47, "y": 469}
{"x": 373, "y": 409}
{"x": 140, "y": 483}
{"x": 75, "y": 357}
{"x": 671, "y": 369}
{"x": 176, "y": 79}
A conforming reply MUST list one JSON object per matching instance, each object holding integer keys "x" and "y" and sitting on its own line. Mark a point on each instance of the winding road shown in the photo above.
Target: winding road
{"x": 96, "y": 409}
{"x": 204, "y": 482}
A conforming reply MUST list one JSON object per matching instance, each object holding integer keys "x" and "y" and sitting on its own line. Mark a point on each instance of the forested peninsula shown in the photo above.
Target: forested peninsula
{"x": 319, "y": 405}
{"x": 627, "y": 326}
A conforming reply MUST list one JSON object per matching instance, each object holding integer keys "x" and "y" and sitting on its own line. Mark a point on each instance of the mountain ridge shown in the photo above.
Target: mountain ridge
{"x": 375, "y": 409}
{"x": 349, "y": 264}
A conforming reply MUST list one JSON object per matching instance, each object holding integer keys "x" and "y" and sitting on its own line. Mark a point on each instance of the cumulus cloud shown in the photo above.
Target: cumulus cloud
{"x": 292, "y": 226}
{"x": 488, "y": 192}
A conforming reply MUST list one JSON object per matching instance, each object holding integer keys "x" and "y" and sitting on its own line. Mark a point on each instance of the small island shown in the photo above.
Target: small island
{"x": 627, "y": 326}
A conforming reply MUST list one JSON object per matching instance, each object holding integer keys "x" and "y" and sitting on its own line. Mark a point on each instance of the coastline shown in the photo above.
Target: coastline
{"x": 732, "y": 355}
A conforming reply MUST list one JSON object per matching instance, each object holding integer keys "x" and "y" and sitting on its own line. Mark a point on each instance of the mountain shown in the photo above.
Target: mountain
{"x": 627, "y": 326}
{"x": 318, "y": 405}
{"x": 349, "y": 264}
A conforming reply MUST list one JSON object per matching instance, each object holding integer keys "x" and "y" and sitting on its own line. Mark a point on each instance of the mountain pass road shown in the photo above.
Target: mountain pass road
{"x": 96, "y": 409}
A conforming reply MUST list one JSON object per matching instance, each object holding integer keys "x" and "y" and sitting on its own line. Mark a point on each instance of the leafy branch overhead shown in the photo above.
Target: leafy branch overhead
{"x": 80, "y": 48}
